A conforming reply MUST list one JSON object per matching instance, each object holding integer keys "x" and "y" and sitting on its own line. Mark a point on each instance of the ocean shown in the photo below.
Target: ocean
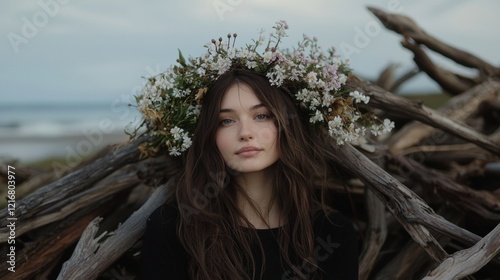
{"x": 31, "y": 132}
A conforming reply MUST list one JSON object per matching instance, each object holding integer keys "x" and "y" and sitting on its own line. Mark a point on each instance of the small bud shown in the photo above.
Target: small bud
{"x": 235, "y": 35}
{"x": 213, "y": 41}
{"x": 229, "y": 35}
{"x": 220, "y": 39}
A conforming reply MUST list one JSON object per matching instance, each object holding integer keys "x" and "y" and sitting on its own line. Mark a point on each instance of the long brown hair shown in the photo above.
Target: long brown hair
{"x": 210, "y": 226}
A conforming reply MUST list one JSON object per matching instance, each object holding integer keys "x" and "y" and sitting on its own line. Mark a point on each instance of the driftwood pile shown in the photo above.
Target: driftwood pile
{"x": 425, "y": 200}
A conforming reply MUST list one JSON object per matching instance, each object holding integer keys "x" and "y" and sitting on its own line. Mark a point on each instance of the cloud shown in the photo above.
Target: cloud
{"x": 105, "y": 45}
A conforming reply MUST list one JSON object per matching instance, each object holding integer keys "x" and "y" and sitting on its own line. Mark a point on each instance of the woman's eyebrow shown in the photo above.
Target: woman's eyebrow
{"x": 254, "y": 107}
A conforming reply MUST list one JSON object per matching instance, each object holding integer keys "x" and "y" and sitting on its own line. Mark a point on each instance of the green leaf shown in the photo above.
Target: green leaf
{"x": 182, "y": 60}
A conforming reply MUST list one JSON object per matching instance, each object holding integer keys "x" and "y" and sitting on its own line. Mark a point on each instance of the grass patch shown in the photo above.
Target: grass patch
{"x": 46, "y": 164}
{"x": 431, "y": 100}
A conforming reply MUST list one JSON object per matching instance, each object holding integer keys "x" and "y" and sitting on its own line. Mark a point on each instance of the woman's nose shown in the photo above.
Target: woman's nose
{"x": 247, "y": 130}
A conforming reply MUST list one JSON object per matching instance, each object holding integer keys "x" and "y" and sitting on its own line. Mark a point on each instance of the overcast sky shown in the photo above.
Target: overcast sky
{"x": 84, "y": 51}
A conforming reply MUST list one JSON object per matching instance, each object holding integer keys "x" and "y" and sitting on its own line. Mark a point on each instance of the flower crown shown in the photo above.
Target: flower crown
{"x": 170, "y": 102}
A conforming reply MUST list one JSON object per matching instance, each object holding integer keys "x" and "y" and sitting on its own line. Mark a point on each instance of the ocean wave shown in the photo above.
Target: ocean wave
{"x": 44, "y": 121}
{"x": 51, "y": 129}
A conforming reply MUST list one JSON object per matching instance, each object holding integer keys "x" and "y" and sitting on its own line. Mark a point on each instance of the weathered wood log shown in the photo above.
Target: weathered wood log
{"x": 32, "y": 183}
{"x": 30, "y": 206}
{"x": 394, "y": 104}
{"x": 458, "y": 108}
{"x": 407, "y": 264}
{"x": 411, "y": 262}
{"x": 483, "y": 204}
{"x": 449, "y": 153}
{"x": 50, "y": 244}
{"x": 57, "y": 210}
{"x": 411, "y": 211}
{"x": 91, "y": 257}
{"x": 468, "y": 261}
{"x": 376, "y": 234}
{"x": 403, "y": 203}
{"x": 408, "y": 28}
{"x": 449, "y": 81}
{"x": 386, "y": 78}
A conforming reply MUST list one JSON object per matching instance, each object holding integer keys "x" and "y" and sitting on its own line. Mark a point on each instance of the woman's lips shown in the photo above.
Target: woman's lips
{"x": 248, "y": 151}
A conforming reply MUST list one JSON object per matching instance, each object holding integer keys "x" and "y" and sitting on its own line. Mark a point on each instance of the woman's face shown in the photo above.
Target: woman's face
{"x": 246, "y": 136}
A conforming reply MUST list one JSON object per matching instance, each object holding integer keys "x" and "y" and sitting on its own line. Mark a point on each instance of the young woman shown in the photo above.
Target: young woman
{"x": 250, "y": 203}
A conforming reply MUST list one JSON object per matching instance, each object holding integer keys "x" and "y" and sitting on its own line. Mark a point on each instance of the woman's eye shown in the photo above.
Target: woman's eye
{"x": 225, "y": 122}
{"x": 262, "y": 116}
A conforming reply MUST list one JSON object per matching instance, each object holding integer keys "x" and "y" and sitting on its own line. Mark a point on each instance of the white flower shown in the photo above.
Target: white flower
{"x": 376, "y": 130}
{"x": 336, "y": 122}
{"x": 222, "y": 65}
{"x": 176, "y": 93}
{"x": 302, "y": 94}
{"x": 359, "y": 97}
{"x": 314, "y": 103}
{"x": 176, "y": 132}
{"x": 194, "y": 110}
{"x": 281, "y": 26}
{"x": 211, "y": 47}
{"x": 342, "y": 79}
{"x": 327, "y": 99}
{"x": 186, "y": 142}
{"x": 276, "y": 76}
{"x": 243, "y": 53}
{"x": 388, "y": 126}
{"x": 231, "y": 53}
{"x": 251, "y": 64}
{"x": 361, "y": 131}
{"x": 278, "y": 56}
{"x": 252, "y": 55}
{"x": 174, "y": 151}
{"x": 311, "y": 78}
{"x": 201, "y": 71}
{"x": 318, "y": 117}
{"x": 268, "y": 56}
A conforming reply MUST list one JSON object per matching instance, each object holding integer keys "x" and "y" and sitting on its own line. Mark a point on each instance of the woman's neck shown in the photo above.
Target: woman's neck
{"x": 259, "y": 189}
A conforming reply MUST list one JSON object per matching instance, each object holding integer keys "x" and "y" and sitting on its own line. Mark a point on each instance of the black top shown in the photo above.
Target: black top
{"x": 335, "y": 249}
